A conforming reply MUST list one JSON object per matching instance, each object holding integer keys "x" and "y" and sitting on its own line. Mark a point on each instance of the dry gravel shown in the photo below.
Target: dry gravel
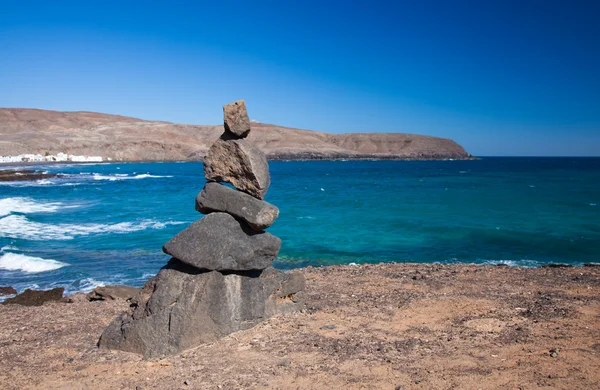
{"x": 384, "y": 326}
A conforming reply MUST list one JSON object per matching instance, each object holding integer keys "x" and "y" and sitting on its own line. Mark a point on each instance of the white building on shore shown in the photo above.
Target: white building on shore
{"x": 29, "y": 157}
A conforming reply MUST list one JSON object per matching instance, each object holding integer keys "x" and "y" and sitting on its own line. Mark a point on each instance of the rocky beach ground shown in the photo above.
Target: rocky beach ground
{"x": 384, "y": 326}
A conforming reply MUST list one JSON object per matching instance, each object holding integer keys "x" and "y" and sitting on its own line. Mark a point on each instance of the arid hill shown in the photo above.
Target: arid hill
{"x": 130, "y": 139}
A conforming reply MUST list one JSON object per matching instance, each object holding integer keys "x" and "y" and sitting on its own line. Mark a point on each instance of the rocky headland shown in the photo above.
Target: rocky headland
{"x": 130, "y": 139}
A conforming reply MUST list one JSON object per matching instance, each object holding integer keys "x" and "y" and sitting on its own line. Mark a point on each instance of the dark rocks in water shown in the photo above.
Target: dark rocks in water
{"x": 215, "y": 197}
{"x": 240, "y": 163}
{"x": 9, "y": 290}
{"x": 221, "y": 242}
{"x": 183, "y": 307}
{"x": 112, "y": 292}
{"x": 36, "y": 297}
{"x": 25, "y": 174}
{"x": 235, "y": 119}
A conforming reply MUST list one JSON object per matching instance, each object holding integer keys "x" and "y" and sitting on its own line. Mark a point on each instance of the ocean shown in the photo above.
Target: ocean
{"x": 106, "y": 223}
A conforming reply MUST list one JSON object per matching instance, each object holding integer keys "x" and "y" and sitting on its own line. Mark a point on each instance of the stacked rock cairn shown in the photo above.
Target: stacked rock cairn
{"x": 220, "y": 278}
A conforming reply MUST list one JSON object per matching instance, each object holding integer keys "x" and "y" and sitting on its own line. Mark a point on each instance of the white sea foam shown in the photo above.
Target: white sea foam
{"x": 19, "y": 262}
{"x": 88, "y": 284}
{"x": 26, "y": 206}
{"x": 118, "y": 176}
{"x": 526, "y": 263}
{"x": 19, "y": 227}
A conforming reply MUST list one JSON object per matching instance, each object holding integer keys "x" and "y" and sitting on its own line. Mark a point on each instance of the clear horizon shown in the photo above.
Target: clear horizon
{"x": 503, "y": 79}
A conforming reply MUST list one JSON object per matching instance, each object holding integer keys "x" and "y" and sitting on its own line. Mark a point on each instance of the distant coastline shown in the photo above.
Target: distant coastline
{"x": 130, "y": 139}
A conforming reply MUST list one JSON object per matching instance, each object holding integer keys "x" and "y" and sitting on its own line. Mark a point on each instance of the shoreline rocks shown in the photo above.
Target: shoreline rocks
{"x": 220, "y": 279}
{"x": 25, "y": 175}
{"x": 35, "y": 297}
{"x": 8, "y": 290}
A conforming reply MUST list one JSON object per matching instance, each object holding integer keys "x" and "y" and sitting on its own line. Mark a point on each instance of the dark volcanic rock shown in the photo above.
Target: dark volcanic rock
{"x": 240, "y": 163}
{"x": 112, "y": 293}
{"x": 220, "y": 242}
{"x": 7, "y": 290}
{"x": 236, "y": 120}
{"x": 25, "y": 174}
{"x": 183, "y": 307}
{"x": 36, "y": 297}
{"x": 216, "y": 197}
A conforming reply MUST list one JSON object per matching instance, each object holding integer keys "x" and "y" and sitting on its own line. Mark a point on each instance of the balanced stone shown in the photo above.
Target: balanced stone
{"x": 183, "y": 307}
{"x": 221, "y": 242}
{"x": 240, "y": 163}
{"x": 217, "y": 197}
{"x": 236, "y": 120}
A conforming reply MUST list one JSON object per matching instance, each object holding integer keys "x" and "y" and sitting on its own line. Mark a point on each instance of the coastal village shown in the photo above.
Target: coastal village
{"x": 59, "y": 157}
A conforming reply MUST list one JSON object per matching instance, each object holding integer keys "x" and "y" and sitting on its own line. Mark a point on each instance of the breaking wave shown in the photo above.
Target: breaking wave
{"x": 18, "y": 262}
{"x": 526, "y": 263}
{"x": 116, "y": 177}
{"x": 19, "y": 227}
{"x": 26, "y": 206}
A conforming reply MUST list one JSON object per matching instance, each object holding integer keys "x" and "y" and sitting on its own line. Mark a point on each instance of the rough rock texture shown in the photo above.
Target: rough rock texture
{"x": 183, "y": 307}
{"x": 9, "y": 290}
{"x": 236, "y": 120}
{"x": 36, "y": 297}
{"x": 220, "y": 242}
{"x": 112, "y": 293}
{"x": 240, "y": 163}
{"x": 216, "y": 197}
{"x": 131, "y": 139}
{"x": 374, "y": 326}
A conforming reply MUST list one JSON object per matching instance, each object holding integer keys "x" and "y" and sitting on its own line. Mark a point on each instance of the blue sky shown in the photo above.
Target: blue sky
{"x": 499, "y": 77}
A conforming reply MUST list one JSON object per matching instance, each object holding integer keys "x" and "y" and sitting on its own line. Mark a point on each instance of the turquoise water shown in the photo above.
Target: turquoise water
{"x": 106, "y": 223}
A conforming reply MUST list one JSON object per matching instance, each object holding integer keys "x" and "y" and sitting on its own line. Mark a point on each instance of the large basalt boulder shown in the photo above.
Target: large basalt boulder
{"x": 216, "y": 197}
{"x": 240, "y": 163}
{"x": 235, "y": 119}
{"x": 36, "y": 297}
{"x": 221, "y": 242}
{"x": 183, "y": 307}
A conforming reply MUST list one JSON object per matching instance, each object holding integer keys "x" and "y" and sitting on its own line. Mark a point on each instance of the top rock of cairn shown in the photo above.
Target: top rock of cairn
{"x": 236, "y": 120}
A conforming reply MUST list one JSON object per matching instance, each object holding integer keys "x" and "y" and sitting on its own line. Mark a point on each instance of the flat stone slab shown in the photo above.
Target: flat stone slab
{"x": 240, "y": 163}
{"x": 112, "y": 293}
{"x": 183, "y": 307}
{"x": 236, "y": 120}
{"x": 217, "y": 197}
{"x": 221, "y": 242}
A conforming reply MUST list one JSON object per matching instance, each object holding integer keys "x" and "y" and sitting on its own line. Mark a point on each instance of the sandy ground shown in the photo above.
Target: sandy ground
{"x": 385, "y": 326}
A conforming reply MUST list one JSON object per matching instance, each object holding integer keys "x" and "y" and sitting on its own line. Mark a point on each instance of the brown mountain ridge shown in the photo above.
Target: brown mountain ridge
{"x": 130, "y": 139}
